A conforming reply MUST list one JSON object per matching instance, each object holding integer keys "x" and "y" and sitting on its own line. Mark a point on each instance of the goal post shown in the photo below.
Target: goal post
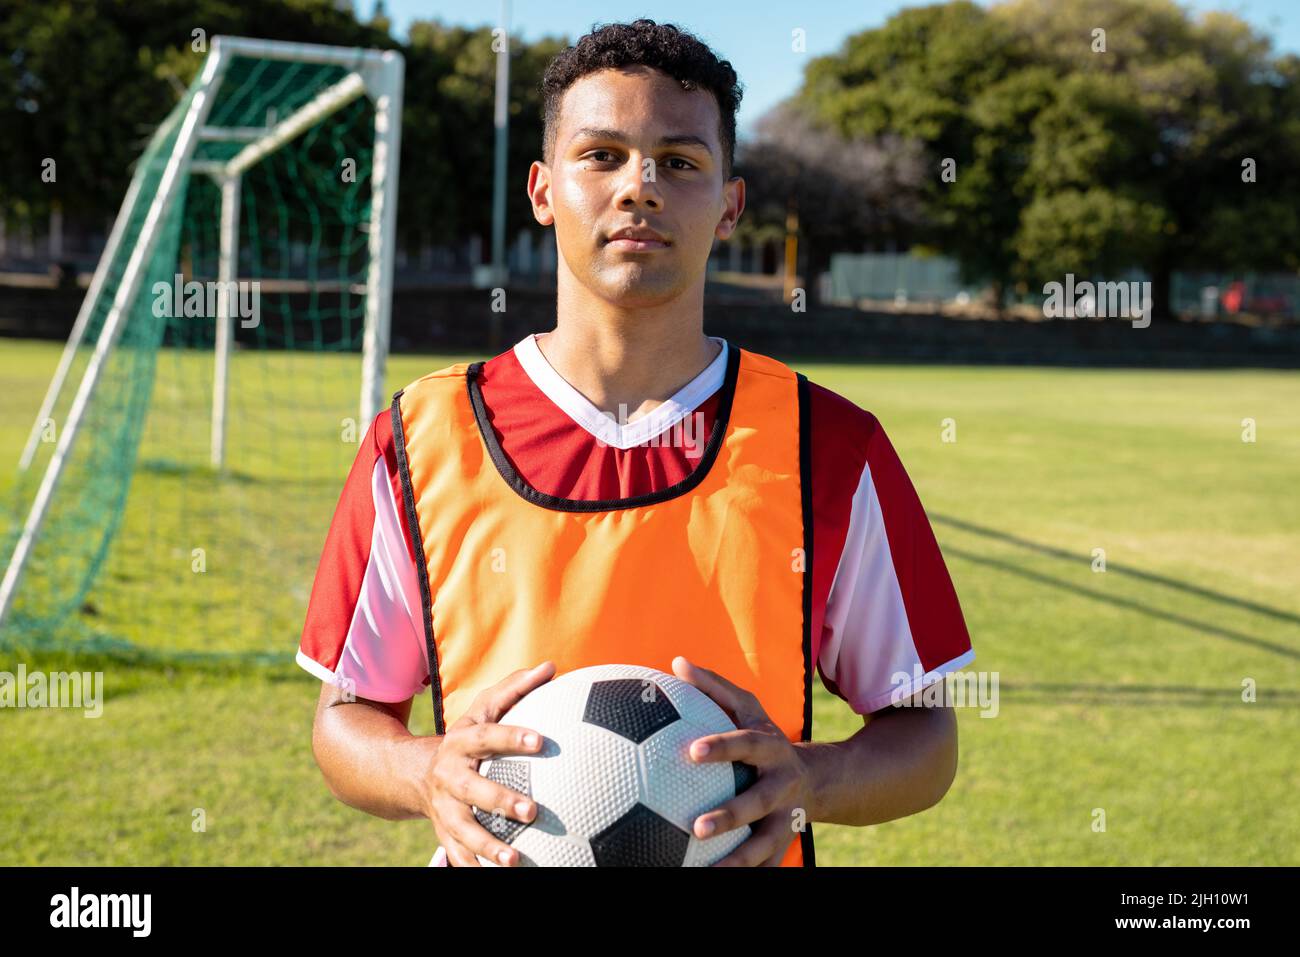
{"x": 298, "y": 145}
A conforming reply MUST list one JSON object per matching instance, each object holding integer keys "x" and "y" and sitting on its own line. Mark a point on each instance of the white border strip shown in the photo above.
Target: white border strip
{"x": 607, "y": 430}
{"x": 315, "y": 668}
{"x": 904, "y": 692}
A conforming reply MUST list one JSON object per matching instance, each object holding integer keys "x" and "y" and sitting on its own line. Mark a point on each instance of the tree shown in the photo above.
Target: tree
{"x": 843, "y": 191}
{"x": 1172, "y": 106}
{"x": 920, "y": 77}
{"x": 85, "y": 83}
{"x": 447, "y": 133}
{"x": 1085, "y": 135}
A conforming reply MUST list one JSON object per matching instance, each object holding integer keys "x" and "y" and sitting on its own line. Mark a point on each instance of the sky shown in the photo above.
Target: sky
{"x": 754, "y": 34}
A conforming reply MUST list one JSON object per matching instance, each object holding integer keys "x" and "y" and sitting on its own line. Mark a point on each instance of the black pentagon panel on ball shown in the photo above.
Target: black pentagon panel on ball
{"x": 746, "y": 775}
{"x": 514, "y": 775}
{"x": 640, "y": 838}
{"x": 632, "y": 707}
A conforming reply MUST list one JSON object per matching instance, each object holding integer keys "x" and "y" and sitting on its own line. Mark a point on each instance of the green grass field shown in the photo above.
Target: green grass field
{"x": 1119, "y": 691}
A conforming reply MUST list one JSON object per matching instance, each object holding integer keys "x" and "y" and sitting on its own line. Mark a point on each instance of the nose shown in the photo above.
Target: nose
{"x": 639, "y": 187}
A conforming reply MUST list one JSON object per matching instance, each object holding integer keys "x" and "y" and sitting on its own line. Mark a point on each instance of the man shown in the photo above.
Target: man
{"x": 503, "y": 524}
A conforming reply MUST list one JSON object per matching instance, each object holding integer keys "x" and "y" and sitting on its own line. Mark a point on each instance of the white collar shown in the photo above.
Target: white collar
{"x": 636, "y": 432}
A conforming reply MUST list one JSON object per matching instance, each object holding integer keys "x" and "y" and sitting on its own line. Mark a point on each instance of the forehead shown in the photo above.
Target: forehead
{"x": 636, "y": 99}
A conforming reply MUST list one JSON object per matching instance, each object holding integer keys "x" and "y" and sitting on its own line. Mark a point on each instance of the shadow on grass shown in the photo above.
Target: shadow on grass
{"x": 1207, "y": 593}
{"x": 1144, "y": 695}
{"x": 1128, "y": 603}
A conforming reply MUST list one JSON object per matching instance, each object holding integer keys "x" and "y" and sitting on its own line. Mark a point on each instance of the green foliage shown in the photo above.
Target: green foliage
{"x": 1069, "y": 158}
{"x": 915, "y": 75}
{"x": 1096, "y": 226}
{"x": 1014, "y": 95}
{"x": 87, "y": 83}
{"x": 446, "y": 188}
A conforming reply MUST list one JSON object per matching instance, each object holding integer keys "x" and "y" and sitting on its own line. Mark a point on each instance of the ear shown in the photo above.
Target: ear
{"x": 539, "y": 193}
{"x": 733, "y": 195}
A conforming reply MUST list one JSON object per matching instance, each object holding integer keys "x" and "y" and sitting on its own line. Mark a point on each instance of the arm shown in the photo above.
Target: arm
{"x": 369, "y": 758}
{"x": 892, "y": 608}
{"x": 900, "y": 762}
{"x": 372, "y": 762}
{"x": 365, "y": 632}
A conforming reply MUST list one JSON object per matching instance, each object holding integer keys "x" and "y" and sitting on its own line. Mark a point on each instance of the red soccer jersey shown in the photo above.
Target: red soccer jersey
{"x": 884, "y": 608}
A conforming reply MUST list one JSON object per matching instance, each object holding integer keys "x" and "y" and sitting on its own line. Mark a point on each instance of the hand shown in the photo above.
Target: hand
{"x": 783, "y": 784}
{"x": 457, "y": 787}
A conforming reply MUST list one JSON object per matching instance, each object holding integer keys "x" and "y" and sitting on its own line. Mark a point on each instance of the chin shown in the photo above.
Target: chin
{"x": 631, "y": 277}
{"x": 635, "y": 292}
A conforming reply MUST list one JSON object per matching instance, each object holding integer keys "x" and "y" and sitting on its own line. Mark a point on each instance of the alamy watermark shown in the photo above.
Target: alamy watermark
{"x": 1098, "y": 300}
{"x": 203, "y": 300}
{"x": 58, "y": 689}
{"x": 961, "y": 689}
{"x": 130, "y": 911}
{"x": 688, "y": 433}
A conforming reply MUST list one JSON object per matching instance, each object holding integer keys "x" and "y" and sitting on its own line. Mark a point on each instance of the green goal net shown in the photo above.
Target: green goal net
{"x": 174, "y": 495}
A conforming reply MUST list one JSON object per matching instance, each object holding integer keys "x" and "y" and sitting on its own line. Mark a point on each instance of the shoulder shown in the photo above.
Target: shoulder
{"x": 841, "y": 444}
{"x": 432, "y": 398}
{"x": 838, "y": 420}
{"x": 453, "y": 374}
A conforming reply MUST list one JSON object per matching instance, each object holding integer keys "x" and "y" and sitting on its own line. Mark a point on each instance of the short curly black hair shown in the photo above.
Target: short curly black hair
{"x": 643, "y": 42}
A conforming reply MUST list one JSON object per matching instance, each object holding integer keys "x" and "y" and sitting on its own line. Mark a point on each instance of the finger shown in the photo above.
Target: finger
{"x": 471, "y": 788}
{"x": 456, "y": 835}
{"x": 490, "y": 740}
{"x": 752, "y": 804}
{"x": 456, "y": 852}
{"x": 505, "y": 694}
{"x": 478, "y": 840}
{"x": 458, "y": 855}
{"x": 731, "y": 698}
{"x": 770, "y": 837}
{"x": 746, "y": 744}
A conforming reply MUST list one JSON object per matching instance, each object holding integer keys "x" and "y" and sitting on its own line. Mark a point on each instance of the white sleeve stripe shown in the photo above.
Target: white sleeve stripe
{"x": 866, "y": 637}
{"x": 314, "y": 667}
{"x": 384, "y": 654}
{"x": 855, "y": 510}
{"x": 905, "y": 689}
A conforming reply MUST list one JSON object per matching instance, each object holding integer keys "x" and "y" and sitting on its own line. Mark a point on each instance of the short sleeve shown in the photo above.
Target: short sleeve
{"x": 893, "y": 624}
{"x": 364, "y": 627}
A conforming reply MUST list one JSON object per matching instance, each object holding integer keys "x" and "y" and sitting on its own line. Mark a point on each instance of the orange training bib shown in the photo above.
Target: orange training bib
{"x": 716, "y": 567}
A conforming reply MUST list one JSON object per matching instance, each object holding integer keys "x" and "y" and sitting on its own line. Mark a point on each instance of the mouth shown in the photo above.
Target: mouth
{"x": 636, "y": 240}
{"x": 637, "y": 245}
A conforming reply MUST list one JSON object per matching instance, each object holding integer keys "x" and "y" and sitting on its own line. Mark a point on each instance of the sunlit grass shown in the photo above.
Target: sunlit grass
{"x": 1120, "y": 691}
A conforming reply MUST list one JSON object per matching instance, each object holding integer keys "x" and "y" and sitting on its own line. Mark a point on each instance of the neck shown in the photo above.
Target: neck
{"x": 633, "y": 357}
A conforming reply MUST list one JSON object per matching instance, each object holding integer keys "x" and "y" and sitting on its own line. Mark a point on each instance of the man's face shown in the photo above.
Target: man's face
{"x": 633, "y": 150}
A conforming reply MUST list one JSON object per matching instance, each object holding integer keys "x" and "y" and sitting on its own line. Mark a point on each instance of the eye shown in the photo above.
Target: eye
{"x": 679, "y": 159}
{"x": 596, "y": 154}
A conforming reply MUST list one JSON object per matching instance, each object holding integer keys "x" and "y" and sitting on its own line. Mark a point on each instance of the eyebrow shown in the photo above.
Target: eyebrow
{"x": 677, "y": 139}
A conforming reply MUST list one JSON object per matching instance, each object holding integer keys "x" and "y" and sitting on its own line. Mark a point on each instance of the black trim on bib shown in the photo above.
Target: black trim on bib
{"x": 530, "y": 494}
{"x": 805, "y": 494}
{"x": 417, "y": 540}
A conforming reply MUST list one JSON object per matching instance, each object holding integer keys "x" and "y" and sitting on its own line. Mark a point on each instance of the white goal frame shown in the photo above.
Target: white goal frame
{"x": 379, "y": 74}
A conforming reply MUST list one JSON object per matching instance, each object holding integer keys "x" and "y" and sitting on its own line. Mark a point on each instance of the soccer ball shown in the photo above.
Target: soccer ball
{"x": 613, "y": 782}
